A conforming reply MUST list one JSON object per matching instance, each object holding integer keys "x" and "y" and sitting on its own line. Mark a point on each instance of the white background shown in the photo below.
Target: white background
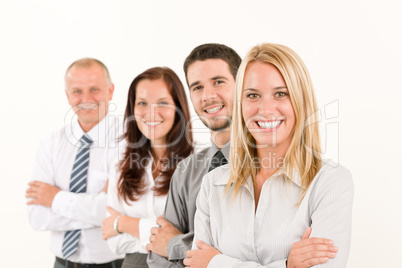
{"x": 351, "y": 48}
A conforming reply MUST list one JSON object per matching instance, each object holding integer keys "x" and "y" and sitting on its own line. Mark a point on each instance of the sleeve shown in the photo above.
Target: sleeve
{"x": 124, "y": 242}
{"x": 58, "y": 217}
{"x": 176, "y": 214}
{"x": 144, "y": 231}
{"x": 202, "y": 224}
{"x": 156, "y": 261}
{"x": 221, "y": 260}
{"x": 331, "y": 206}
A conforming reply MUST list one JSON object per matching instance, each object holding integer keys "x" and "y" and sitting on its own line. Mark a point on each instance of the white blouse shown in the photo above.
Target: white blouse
{"x": 147, "y": 208}
{"x": 263, "y": 238}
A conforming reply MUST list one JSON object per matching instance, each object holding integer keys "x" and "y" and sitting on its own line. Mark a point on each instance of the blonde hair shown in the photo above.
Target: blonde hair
{"x": 304, "y": 152}
{"x": 87, "y": 63}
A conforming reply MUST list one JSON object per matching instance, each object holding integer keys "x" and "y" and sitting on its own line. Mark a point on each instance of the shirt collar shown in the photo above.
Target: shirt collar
{"x": 97, "y": 133}
{"x": 296, "y": 179}
{"x": 213, "y": 149}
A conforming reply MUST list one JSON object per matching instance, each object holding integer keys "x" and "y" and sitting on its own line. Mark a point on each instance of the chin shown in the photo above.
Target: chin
{"x": 219, "y": 126}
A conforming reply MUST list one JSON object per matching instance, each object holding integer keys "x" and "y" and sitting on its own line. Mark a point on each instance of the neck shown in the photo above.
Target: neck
{"x": 87, "y": 126}
{"x": 271, "y": 159}
{"x": 220, "y": 138}
{"x": 158, "y": 153}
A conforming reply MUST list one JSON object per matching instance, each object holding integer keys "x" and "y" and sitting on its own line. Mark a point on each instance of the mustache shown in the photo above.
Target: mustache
{"x": 87, "y": 106}
{"x": 211, "y": 104}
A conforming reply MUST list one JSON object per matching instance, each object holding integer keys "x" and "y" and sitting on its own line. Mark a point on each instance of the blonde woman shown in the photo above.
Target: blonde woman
{"x": 277, "y": 204}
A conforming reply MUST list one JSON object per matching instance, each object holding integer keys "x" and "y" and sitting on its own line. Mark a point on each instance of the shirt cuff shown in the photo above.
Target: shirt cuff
{"x": 61, "y": 203}
{"x": 176, "y": 249}
{"x": 144, "y": 229}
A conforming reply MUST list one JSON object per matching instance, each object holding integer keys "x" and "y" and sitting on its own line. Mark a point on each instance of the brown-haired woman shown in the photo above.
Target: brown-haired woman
{"x": 157, "y": 136}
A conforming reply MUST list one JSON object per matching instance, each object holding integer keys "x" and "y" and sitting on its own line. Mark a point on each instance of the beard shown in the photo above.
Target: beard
{"x": 217, "y": 124}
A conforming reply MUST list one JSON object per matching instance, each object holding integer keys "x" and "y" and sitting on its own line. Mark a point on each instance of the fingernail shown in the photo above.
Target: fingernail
{"x": 330, "y": 242}
{"x": 324, "y": 259}
{"x": 335, "y": 248}
{"x": 332, "y": 254}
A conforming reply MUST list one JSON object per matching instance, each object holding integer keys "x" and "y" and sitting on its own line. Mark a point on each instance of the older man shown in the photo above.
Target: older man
{"x": 67, "y": 194}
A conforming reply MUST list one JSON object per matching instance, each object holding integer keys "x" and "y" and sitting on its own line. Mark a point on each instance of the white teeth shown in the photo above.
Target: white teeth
{"x": 152, "y": 123}
{"x": 214, "y": 110}
{"x": 268, "y": 125}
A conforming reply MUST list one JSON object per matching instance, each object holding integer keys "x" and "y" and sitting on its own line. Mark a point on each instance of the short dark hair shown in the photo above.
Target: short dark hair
{"x": 214, "y": 51}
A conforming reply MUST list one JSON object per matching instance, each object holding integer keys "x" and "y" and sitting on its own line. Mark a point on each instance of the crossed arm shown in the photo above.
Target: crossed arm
{"x": 331, "y": 202}
{"x": 51, "y": 208}
{"x": 305, "y": 253}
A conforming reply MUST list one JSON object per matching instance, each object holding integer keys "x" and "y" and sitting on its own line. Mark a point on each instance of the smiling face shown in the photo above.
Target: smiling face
{"x": 154, "y": 110}
{"x": 211, "y": 87}
{"x": 266, "y": 106}
{"x": 88, "y": 92}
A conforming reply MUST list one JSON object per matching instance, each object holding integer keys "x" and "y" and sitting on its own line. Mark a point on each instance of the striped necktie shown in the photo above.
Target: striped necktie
{"x": 78, "y": 184}
{"x": 217, "y": 160}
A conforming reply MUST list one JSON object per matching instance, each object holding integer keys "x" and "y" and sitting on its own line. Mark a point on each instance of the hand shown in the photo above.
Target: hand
{"x": 200, "y": 258}
{"x": 310, "y": 251}
{"x": 42, "y": 193}
{"x": 107, "y": 228}
{"x": 105, "y": 188}
{"x": 161, "y": 236}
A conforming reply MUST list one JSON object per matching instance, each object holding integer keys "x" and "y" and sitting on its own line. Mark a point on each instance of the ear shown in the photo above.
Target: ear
{"x": 68, "y": 96}
{"x": 111, "y": 90}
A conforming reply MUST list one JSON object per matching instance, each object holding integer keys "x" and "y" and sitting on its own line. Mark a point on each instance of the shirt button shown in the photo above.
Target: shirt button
{"x": 251, "y": 250}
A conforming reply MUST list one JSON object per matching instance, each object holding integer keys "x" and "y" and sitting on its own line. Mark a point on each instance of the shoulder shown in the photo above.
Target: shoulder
{"x": 56, "y": 137}
{"x": 333, "y": 177}
{"x": 189, "y": 172}
{"x": 218, "y": 177}
{"x": 194, "y": 161}
{"x": 114, "y": 126}
{"x": 213, "y": 184}
{"x": 333, "y": 171}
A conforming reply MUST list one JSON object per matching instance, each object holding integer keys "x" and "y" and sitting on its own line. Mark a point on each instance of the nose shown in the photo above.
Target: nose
{"x": 87, "y": 97}
{"x": 267, "y": 107}
{"x": 208, "y": 93}
{"x": 151, "y": 112}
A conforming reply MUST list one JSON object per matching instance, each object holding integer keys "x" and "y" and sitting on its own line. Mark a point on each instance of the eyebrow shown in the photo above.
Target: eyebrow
{"x": 250, "y": 89}
{"x": 164, "y": 98}
{"x": 218, "y": 77}
{"x": 275, "y": 88}
{"x": 194, "y": 84}
{"x": 280, "y": 87}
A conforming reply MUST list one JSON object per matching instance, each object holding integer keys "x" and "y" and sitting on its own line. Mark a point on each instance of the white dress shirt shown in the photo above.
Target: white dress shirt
{"x": 70, "y": 211}
{"x": 264, "y": 237}
{"x": 147, "y": 208}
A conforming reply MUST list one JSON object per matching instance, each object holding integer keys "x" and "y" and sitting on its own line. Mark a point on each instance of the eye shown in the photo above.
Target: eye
{"x": 217, "y": 82}
{"x": 281, "y": 94}
{"x": 141, "y": 103}
{"x": 253, "y": 96}
{"x": 197, "y": 88}
{"x": 162, "y": 103}
{"x": 94, "y": 89}
{"x": 77, "y": 91}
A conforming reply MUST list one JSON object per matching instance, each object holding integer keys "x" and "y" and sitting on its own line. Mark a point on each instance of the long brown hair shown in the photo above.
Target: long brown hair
{"x": 131, "y": 184}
